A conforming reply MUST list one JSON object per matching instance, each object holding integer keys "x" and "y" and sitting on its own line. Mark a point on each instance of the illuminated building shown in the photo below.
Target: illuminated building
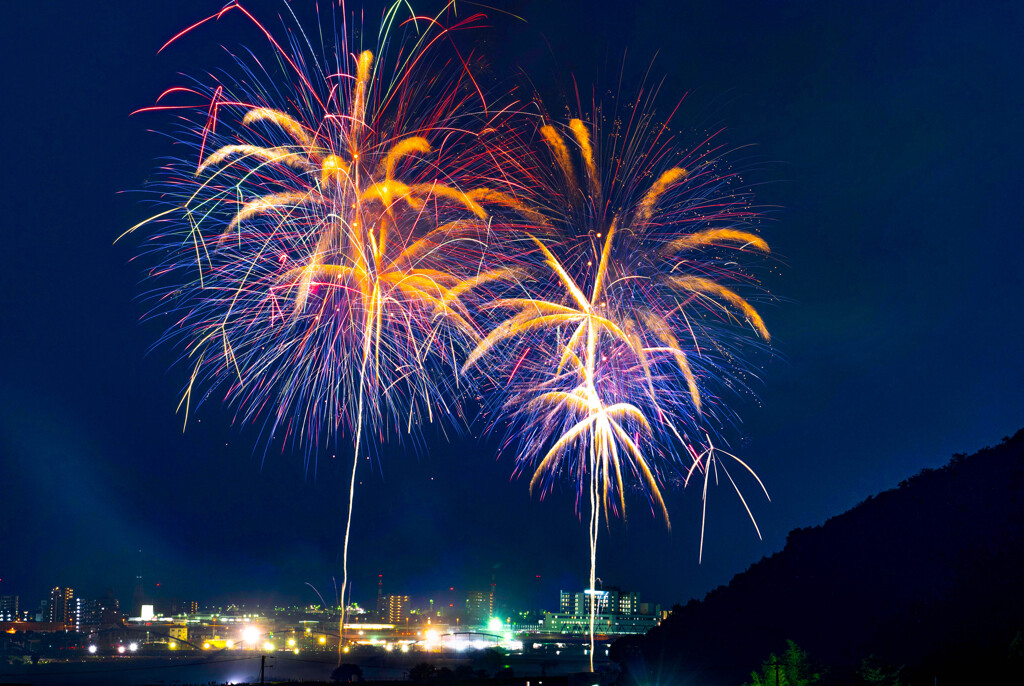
{"x": 395, "y": 608}
{"x": 83, "y": 613}
{"x": 61, "y": 608}
{"x": 99, "y": 612}
{"x": 604, "y": 624}
{"x": 612, "y": 600}
{"x": 479, "y": 605}
{"x": 8, "y": 608}
{"x": 617, "y": 612}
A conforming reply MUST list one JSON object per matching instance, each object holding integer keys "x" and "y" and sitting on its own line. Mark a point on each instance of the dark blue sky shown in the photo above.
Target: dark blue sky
{"x": 887, "y": 134}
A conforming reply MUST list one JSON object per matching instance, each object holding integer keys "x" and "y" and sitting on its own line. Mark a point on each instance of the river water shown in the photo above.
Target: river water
{"x": 229, "y": 668}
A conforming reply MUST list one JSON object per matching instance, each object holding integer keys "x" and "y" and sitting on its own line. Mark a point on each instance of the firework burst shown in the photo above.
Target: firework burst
{"x": 610, "y": 357}
{"x": 326, "y": 231}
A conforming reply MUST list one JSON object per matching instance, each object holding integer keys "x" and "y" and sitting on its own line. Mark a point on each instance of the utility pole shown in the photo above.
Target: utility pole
{"x": 263, "y": 668}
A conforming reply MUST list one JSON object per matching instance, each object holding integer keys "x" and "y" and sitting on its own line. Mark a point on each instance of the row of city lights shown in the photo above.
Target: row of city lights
{"x": 131, "y": 647}
{"x": 251, "y": 635}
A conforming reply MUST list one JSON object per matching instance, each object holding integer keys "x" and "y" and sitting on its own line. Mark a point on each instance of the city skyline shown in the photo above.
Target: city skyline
{"x": 64, "y": 606}
{"x": 464, "y": 599}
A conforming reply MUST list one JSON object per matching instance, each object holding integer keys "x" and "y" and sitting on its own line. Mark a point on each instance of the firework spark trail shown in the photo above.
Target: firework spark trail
{"x": 319, "y": 250}
{"x": 627, "y": 276}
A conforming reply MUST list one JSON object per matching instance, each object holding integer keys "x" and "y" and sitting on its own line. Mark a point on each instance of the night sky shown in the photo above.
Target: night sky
{"x": 885, "y": 137}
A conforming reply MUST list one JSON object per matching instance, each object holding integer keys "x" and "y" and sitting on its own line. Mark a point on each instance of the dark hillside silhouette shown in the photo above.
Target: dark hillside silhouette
{"x": 927, "y": 575}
